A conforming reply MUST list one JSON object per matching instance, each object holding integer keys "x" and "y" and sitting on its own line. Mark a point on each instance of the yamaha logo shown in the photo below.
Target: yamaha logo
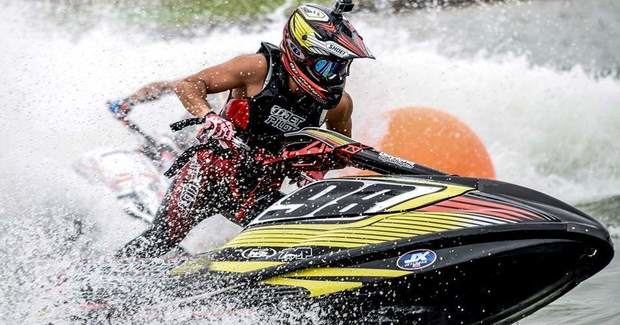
{"x": 417, "y": 260}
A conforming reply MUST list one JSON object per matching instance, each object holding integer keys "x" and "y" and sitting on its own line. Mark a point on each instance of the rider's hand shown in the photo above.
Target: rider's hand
{"x": 120, "y": 108}
{"x": 216, "y": 127}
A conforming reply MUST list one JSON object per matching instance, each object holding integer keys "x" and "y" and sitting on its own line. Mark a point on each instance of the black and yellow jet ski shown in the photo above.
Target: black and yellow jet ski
{"x": 404, "y": 240}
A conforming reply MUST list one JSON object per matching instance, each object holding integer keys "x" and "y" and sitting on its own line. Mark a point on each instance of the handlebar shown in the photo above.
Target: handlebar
{"x": 320, "y": 150}
{"x": 299, "y": 156}
{"x": 295, "y": 158}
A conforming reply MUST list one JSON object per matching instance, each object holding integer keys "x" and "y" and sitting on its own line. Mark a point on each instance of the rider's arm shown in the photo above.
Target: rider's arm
{"x": 339, "y": 118}
{"x": 152, "y": 91}
{"x": 121, "y": 107}
{"x": 236, "y": 73}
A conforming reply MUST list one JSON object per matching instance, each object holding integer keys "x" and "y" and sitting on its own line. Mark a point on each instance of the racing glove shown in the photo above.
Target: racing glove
{"x": 120, "y": 108}
{"x": 216, "y": 127}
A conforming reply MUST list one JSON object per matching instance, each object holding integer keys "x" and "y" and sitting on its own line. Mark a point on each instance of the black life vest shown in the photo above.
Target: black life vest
{"x": 263, "y": 119}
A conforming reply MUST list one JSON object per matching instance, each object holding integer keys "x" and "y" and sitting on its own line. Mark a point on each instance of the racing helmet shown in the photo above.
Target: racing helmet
{"x": 318, "y": 46}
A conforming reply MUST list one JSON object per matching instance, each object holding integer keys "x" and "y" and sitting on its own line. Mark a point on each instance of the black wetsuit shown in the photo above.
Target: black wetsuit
{"x": 212, "y": 183}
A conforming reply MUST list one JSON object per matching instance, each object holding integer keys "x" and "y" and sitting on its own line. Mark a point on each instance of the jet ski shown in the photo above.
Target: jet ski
{"x": 404, "y": 244}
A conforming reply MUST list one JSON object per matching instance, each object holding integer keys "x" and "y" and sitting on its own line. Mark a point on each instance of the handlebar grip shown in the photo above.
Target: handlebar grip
{"x": 177, "y": 126}
{"x": 211, "y": 144}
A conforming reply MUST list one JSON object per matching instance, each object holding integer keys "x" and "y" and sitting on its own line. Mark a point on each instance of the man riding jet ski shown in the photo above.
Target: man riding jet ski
{"x": 278, "y": 90}
{"x": 408, "y": 244}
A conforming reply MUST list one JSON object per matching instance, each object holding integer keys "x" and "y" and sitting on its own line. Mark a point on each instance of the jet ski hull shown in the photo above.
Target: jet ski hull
{"x": 440, "y": 249}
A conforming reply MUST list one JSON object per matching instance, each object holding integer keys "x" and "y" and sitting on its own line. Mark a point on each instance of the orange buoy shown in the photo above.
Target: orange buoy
{"x": 436, "y": 139}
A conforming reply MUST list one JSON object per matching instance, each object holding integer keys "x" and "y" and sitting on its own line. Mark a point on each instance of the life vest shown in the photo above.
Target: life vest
{"x": 262, "y": 120}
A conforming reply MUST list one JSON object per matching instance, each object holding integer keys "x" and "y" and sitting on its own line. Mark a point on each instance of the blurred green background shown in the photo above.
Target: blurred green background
{"x": 191, "y": 14}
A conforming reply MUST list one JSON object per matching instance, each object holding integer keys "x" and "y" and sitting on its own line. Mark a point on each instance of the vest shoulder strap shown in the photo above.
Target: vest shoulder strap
{"x": 268, "y": 49}
{"x": 275, "y": 72}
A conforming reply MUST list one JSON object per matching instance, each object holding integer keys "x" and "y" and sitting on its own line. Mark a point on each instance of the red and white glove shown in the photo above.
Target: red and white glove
{"x": 216, "y": 127}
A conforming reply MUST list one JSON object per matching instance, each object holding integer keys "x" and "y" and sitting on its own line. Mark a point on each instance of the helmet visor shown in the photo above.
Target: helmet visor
{"x": 330, "y": 70}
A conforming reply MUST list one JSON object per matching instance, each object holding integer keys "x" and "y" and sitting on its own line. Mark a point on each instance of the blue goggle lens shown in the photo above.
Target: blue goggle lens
{"x": 329, "y": 69}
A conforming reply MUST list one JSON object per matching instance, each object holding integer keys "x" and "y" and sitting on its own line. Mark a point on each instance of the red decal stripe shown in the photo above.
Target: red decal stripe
{"x": 490, "y": 204}
{"x": 483, "y": 207}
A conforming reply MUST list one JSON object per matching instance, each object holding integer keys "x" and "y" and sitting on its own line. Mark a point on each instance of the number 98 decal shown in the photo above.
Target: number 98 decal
{"x": 340, "y": 198}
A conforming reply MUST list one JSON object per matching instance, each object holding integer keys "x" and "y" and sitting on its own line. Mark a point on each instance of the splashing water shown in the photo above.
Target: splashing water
{"x": 555, "y": 131}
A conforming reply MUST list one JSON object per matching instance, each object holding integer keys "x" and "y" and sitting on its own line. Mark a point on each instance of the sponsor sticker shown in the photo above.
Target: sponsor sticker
{"x": 283, "y": 119}
{"x": 295, "y": 50}
{"x": 190, "y": 190}
{"x": 417, "y": 259}
{"x": 338, "y": 50}
{"x": 312, "y": 13}
{"x": 264, "y": 252}
{"x": 395, "y": 160}
{"x": 297, "y": 253}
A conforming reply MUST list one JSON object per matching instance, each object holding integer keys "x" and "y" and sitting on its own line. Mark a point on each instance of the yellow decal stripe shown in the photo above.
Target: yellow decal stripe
{"x": 347, "y": 272}
{"x": 260, "y": 244}
{"x": 324, "y": 227}
{"x": 336, "y": 139}
{"x": 295, "y": 227}
{"x": 316, "y": 288}
{"x": 449, "y": 192}
{"x": 330, "y": 238}
{"x": 241, "y": 266}
{"x": 300, "y": 28}
{"x": 333, "y": 244}
{"x": 391, "y": 227}
{"x": 431, "y": 227}
{"x": 279, "y": 231}
{"x": 354, "y": 235}
{"x": 281, "y": 236}
{"x": 369, "y": 233}
{"x": 248, "y": 266}
{"x": 401, "y": 227}
{"x": 190, "y": 266}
